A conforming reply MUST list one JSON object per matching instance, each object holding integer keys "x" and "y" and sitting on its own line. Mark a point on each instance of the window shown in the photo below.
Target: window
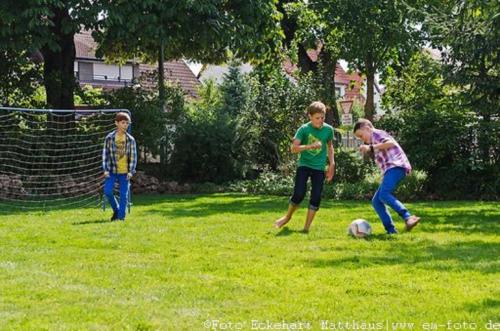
{"x": 104, "y": 71}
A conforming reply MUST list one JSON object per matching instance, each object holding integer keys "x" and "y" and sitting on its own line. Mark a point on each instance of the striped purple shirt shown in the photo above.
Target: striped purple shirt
{"x": 392, "y": 157}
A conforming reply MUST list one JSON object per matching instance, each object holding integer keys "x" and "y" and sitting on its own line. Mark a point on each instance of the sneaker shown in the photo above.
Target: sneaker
{"x": 115, "y": 216}
{"x": 411, "y": 222}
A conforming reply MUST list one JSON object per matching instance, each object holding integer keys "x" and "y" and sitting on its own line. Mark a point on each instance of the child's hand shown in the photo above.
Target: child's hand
{"x": 329, "y": 172}
{"x": 106, "y": 174}
{"x": 129, "y": 176}
{"x": 316, "y": 145}
{"x": 364, "y": 149}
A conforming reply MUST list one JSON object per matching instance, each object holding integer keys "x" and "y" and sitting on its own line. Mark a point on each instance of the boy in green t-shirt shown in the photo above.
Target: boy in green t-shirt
{"x": 314, "y": 141}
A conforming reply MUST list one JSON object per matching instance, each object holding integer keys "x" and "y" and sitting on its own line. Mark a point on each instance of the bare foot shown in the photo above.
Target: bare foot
{"x": 280, "y": 222}
{"x": 411, "y": 222}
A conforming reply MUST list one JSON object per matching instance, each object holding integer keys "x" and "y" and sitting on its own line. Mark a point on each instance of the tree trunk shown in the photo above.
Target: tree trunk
{"x": 288, "y": 24}
{"x": 289, "y": 27}
{"x": 327, "y": 68}
{"x": 58, "y": 69}
{"x": 161, "y": 74}
{"x": 370, "y": 84}
{"x": 161, "y": 96}
{"x": 305, "y": 63}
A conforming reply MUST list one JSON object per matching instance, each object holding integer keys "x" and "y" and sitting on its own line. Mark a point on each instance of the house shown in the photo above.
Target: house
{"x": 348, "y": 86}
{"x": 90, "y": 70}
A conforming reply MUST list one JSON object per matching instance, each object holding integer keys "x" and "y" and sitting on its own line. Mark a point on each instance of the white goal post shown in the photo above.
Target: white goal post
{"x": 52, "y": 158}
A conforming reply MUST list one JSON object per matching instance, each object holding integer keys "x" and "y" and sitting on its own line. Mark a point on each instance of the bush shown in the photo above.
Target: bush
{"x": 280, "y": 108}
{"x": 268, "y": 183}
{"x": 411, "y": 188}
{"x": 149, "y": 121}
{"x": 203, "y": 151}
{"x": 350, "y": 166}
{"x": 215, "y": 139}
{"x": 438, "y": 133}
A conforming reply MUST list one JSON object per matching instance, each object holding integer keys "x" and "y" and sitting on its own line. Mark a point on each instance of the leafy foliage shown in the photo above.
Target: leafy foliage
{"x": 437, "y": 132}
{"x": 149, "y": 122}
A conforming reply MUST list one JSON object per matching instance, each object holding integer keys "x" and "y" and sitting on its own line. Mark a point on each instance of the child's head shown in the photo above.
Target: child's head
{"x": 363, "y": 130}
{"x": 122, "y": 121}
{"x": 316, "y": 112}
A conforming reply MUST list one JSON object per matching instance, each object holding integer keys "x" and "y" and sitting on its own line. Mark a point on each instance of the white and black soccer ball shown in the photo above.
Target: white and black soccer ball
{"x": 359, "y": 228}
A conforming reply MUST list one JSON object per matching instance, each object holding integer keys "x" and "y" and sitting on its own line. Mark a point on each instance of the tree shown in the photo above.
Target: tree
{"x": 436, "y": 131}
{"x": 149, "y": 120}
{"x": 312, "y": 31}
{"x": 289, "y": 25}
{"x": 48, "y": 27}
{"x": 468, "y": 35}
{"x": 373, "y": 34}
{"x": 20, "y": 77}
{"x": 209, "y": 31}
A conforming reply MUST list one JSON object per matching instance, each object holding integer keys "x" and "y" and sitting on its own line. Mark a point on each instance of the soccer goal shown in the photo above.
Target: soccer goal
{"x": 52, "y": 158}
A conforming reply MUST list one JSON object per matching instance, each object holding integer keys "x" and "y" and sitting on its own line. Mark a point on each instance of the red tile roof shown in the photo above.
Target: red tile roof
{"x": 85, "y": 45}
{"x": 353, "y": 81}
{"x": 175, "y": 71}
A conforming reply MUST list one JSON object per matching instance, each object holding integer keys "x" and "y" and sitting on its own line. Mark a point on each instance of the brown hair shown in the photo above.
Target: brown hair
{"x": 361, "y": 123}
{"x": 122, "y": 116}
{"x": 316, "y": 107}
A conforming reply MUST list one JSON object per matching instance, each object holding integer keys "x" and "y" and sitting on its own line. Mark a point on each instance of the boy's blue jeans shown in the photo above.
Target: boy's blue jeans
{"x": 299, "y": 191}
{"x": 124, "y": 184}
{"x": 384, "y": 196}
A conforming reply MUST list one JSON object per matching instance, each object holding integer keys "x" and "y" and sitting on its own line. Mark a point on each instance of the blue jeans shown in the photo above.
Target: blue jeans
{"x": 384, "y": 196}
{"x": 124, "y": 184}
{"x": 299, "y": 190}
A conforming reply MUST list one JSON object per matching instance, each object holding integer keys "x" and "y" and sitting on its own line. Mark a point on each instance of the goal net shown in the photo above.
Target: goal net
{"x": 52, "y": 158}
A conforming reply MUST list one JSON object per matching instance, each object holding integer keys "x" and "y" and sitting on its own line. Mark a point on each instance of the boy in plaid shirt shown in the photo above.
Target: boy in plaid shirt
{"x": 392, "y": 161}
{"x": 119, "y": 160}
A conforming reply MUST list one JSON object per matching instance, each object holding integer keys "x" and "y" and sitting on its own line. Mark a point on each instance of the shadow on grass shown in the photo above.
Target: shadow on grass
{"x": 380, "y": 237}
{"x": 458, "y": 256}
{"x": 284, "y": 232}
{"x": 238, "y": 204}
{"x": 485, "y": 220}
{"x": 484, "y": 304}
{"x": 461, "y": 216}
{"x": 100, "y": 221}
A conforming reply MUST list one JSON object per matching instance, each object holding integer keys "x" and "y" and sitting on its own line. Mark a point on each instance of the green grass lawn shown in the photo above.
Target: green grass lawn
{"x": 179, "y": 261}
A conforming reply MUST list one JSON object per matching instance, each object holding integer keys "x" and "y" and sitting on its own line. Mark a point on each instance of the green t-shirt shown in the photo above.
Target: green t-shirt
{"x": 308, "y": 134}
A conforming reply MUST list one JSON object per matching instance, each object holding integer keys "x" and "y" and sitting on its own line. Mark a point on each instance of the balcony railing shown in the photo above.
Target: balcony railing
{"x": 104, "y": 80}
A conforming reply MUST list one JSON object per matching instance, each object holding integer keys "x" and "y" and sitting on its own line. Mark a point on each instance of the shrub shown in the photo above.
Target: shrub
{"x": 350, "y": 166}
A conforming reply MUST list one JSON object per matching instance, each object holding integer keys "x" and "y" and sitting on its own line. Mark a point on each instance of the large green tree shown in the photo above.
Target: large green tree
{"x": 373, "y": 35}
{"x": 207, "y": 31}
{"x": 468, "y": 35}
{"x": 20, "y": 77}
{"x": 48, "y": 27}
{"x": 305, "y": 29}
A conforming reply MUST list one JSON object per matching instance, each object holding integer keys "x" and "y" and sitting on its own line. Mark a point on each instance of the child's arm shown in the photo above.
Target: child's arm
{"x": 331, "y": 160}
{"x": 386, "y": 144}
{"x": 298, "y": 148}
{"x": 133, "y": 158}
{"x": 105, "y": 158}
{"x": 377, "y": 147}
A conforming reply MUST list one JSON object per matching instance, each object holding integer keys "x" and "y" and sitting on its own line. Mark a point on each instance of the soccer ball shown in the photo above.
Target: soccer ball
{"x": 359, "y": 228}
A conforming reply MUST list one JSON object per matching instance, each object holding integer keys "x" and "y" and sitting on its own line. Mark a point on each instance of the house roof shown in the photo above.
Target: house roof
{"x": 85, "y": 45}
{"x": 175, "y": 71}
{"x": 352, "y": 81}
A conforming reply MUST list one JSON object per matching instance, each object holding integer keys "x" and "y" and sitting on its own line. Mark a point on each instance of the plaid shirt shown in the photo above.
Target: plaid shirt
{"x": 392, "y": 157}
{"x": 109, "y": 163}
